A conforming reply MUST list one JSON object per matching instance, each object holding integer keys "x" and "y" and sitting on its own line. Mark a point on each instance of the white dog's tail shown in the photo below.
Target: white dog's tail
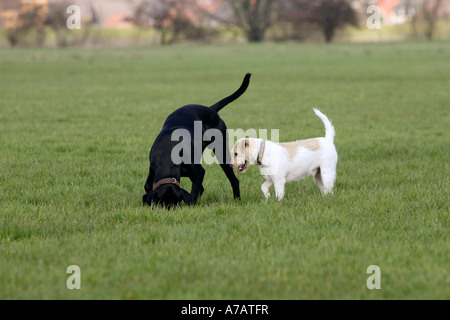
{"x": 329, "y": 129}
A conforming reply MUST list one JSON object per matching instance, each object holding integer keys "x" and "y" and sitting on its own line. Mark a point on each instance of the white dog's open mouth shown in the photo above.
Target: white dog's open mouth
{"x": 242, "y": 167}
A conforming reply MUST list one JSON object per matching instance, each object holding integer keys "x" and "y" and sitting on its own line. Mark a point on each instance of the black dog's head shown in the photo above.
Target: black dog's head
{"x": 167, "y": 196}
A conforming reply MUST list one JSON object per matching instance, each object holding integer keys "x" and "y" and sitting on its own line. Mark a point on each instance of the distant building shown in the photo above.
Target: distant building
{"x": 119, "y": 20}
{"x": 114, "y": 13}
{"x": 199, "y": 12}
{"x": 110, "y": 13}
{"x": 395, "y": 11}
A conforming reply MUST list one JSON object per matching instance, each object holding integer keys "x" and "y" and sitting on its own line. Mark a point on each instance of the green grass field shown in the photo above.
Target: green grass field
{"x": 77, "y": 125}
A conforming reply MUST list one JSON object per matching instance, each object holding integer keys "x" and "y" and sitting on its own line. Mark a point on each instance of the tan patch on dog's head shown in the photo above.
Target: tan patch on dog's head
{"x": 292, "y": 147}
{"x": 243, "y": 152}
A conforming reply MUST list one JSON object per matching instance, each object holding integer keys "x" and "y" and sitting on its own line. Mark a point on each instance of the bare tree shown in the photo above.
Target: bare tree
{"x": 57, "y": 20}
{"x": 327, "y": 16}
{"x": 25, "y": 21}
{"x": 153, "y": 15}
{"x": 173, "y": 19}
{"x": 330, "y": 15}
{"x": 254, "y": 17}
{"x": 427, "y": 11}
{"x": 291, "y": 20}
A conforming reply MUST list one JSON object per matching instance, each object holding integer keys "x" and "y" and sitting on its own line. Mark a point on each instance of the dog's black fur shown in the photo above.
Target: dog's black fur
{"x": 162, "y": 166}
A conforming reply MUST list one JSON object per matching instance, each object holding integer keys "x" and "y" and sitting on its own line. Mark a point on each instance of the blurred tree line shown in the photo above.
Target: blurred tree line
{"x": 292, "y": 19}
{"x": 285, "y": 19}
{"x": 33, "y": 19}
{"x": 205, "y": 20}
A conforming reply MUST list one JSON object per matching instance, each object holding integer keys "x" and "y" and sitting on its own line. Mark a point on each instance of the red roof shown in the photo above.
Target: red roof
{"x": 386, "y": 7}
{"x": 119, "y": 20}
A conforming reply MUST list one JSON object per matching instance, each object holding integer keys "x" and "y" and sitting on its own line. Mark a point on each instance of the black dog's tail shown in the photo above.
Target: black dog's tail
{"x": 222, "y": 103}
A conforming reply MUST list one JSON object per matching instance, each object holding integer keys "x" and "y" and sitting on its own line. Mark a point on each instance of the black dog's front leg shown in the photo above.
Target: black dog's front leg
{"x": 224, "y": 160}
{"x": 196, "y": 177}
{"x": 150, "y": 180}
{"x": 233, "y": 180}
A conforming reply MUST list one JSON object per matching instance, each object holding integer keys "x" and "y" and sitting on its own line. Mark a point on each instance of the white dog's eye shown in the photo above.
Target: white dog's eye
{"x": 235, "y": 154}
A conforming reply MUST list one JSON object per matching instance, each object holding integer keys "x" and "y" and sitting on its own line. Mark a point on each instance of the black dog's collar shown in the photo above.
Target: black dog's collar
{"x": 166, "y": 181}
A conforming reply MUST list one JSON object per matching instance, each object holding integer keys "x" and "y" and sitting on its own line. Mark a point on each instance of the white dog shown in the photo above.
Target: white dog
{"x": 290, "y": 161}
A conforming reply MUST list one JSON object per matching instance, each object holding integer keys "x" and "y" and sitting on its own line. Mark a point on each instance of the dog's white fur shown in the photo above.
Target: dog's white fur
{"x": 286, "y": 162}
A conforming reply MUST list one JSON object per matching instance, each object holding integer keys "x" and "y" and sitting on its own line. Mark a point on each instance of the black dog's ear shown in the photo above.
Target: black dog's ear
{"x": 147, "y": 199}
{"x": 187, "y": 198}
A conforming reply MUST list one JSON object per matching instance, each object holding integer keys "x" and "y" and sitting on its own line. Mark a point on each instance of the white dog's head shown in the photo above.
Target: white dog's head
{"x": 245, "y": 153}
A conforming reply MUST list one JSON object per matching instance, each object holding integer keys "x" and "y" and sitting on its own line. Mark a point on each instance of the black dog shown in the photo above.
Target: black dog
{"x": 162, "y": 186}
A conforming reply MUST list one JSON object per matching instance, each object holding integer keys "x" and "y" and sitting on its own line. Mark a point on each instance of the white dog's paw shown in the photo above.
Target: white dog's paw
{"x": 265, "y": 189}
{"x": 279, "y": 190}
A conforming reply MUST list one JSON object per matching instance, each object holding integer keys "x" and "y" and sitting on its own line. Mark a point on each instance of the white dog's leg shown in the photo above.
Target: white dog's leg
{"x": 279, "y": 189}
{"x": 318, "y": 179}
{"x": 328, "y": 176}
{"x": 265, "y": 188}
